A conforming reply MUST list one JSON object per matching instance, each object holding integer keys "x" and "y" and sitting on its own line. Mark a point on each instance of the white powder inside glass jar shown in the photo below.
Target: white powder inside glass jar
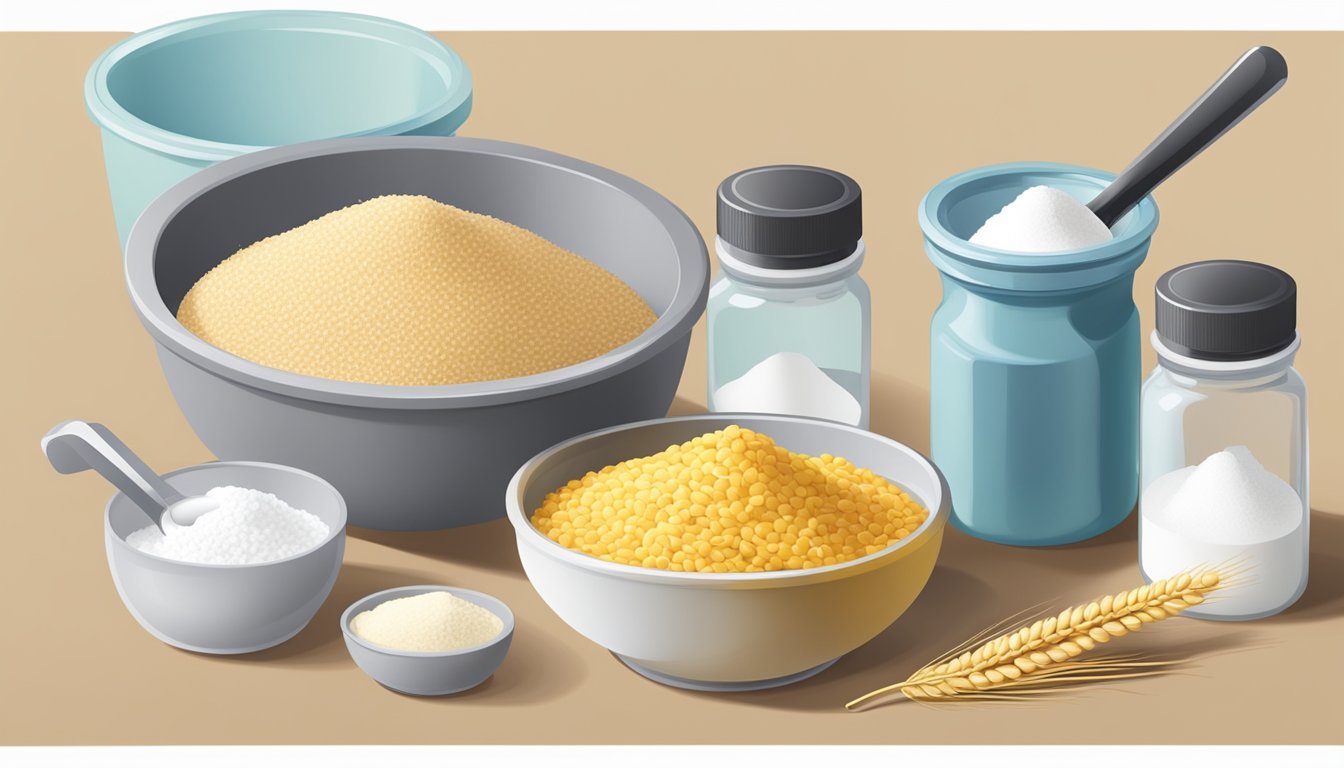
{"x": 789, "y": 383}
{"x": 1229, "y": 511}
{"x": 433, "y": 621}
{"x": 249, "y": 526}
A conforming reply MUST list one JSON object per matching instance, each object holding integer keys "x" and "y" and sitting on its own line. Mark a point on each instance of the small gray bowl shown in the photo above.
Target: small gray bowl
{"x": 429, "y": 673}
{"x": 228, "y": 609}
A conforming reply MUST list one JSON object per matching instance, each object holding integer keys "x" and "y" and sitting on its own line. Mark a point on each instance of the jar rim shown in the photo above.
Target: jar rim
{"x": 957, "y": 257}
{"x": 1270, "y": 364}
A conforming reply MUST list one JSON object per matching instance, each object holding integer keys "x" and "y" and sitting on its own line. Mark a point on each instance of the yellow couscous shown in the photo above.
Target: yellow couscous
{"x": 730, "y": 501}
{"x": 406, "y": 290}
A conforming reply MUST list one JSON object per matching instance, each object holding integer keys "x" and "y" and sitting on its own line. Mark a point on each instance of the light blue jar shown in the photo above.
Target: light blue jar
{"x": 1035, "y": 364}
{"x": 177, "y": 98}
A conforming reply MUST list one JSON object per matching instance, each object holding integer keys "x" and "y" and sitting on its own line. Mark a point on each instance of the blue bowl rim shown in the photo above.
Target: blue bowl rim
{"x": 108, "y": 113}
{"x": 335, "y": 532}
{"x": 688, "y": 301}
{"x": 931, "y": 210}
{"x": 369, "y": 602}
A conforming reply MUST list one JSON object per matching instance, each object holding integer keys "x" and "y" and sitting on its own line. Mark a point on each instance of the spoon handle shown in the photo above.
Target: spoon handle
{"x": 74, "y": 446}
{"x": 1253, "y": 78}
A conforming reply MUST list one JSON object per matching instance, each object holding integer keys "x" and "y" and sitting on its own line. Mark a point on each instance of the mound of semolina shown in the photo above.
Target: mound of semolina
{"x": 405, "y": 290}
{"x": 730, "y": 501}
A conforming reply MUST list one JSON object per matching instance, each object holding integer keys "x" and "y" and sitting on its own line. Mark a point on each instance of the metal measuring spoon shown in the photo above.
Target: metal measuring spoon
{"x": 1244, "y": 86}
{"x": 74, "y": 446}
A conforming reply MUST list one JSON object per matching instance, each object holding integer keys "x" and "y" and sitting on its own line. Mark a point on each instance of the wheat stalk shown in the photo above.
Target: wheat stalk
{"x": 1044, "y": 653}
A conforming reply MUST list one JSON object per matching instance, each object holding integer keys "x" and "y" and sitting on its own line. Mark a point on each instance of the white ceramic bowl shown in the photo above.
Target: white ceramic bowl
{"x": 228, "y": 608}
{"x": 733, "y": 631}
{"x": 429, "y": 673}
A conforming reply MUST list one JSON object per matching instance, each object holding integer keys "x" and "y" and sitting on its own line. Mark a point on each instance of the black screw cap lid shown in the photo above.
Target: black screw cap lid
{"x": 1226, "y": 310}
{"x": 790, "y": 216}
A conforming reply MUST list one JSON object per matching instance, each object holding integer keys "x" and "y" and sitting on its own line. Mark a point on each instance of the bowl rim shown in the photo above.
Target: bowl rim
{"x": 688, "y": 300}
{"x": 496, "y": 606}
{"x": 528, "y": 533}
{"x": 334, "y": 532}
{"x": 111, "y": 115}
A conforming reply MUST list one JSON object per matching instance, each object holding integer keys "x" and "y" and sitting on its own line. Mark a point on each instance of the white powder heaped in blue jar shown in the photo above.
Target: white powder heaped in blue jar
{"x": 249, "y": 526}
{"x": 1042, "y": 220}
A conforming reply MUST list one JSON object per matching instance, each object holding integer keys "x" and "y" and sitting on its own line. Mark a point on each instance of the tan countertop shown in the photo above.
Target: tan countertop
{"x": 898, "y": 111}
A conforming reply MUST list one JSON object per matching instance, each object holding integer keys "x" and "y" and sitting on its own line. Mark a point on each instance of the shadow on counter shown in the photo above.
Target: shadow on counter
{"x": 320, "y": 643}
{"x": 958, "y": 603}
{"x": 1324, "y": 597}
{"x": 535, "y": 670}
{"x": 683, "y": 407}
{"x": 899, "y": 410}
{"x": 487, "y": 546}
{"x": 944, "y": 614}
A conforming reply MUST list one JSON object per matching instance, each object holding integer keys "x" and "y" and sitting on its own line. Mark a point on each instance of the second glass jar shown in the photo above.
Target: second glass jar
{"x": 789, "y": 318}
{"x": 1224, "y": 422}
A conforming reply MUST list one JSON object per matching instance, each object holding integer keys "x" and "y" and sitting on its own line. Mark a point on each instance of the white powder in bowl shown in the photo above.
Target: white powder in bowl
{"x": 249, "y": 526}
{"x": 789, "y": 383}
{"x": 433, "y": 621}
{"x": 1042, "y": 220}
{"x": 1228, "y": 511}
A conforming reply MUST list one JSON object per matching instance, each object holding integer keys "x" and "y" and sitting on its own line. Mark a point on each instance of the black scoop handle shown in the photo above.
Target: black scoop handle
{"x": 1252, "y": 79}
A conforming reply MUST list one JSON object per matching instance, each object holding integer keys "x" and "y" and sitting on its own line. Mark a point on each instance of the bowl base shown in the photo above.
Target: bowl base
{"x": 720, "y": 686}
{"x": 214, "y": 651}
{"x": 427, "y": 694}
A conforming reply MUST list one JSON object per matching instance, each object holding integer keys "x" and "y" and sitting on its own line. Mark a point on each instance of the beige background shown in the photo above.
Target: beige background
{"x": 679, "y": 112}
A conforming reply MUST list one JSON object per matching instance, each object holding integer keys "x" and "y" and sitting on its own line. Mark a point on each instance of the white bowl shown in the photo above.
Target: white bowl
{"x": 731, "y": 631}
{"x": 228, "y": 608}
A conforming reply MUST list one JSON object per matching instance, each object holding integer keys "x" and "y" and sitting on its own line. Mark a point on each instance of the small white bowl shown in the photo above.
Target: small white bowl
{"x": 429, "y": 673}
{"x": 728, "y": 631}
{"x": 228, "y": 609}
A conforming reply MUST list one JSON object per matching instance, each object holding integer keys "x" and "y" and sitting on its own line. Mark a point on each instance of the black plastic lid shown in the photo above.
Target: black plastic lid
{"x": 1226, "y": 310}
{"x": 790, "y": 216}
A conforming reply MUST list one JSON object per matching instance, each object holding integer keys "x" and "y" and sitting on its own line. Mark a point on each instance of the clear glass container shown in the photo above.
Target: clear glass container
{"x": 789, "y": 317}
{"x": 1223, "y": 454}
{"x": 1193, "y": 408}
{"x": 773, "y": 333}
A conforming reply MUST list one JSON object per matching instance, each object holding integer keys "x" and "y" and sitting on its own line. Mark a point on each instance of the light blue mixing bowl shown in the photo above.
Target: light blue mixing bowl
{"x": 182, "y": 96}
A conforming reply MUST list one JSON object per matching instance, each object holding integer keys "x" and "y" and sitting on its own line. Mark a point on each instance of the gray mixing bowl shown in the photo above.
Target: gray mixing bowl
{"x": 228, "y": 608}
{"x": 416, "y": 458}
